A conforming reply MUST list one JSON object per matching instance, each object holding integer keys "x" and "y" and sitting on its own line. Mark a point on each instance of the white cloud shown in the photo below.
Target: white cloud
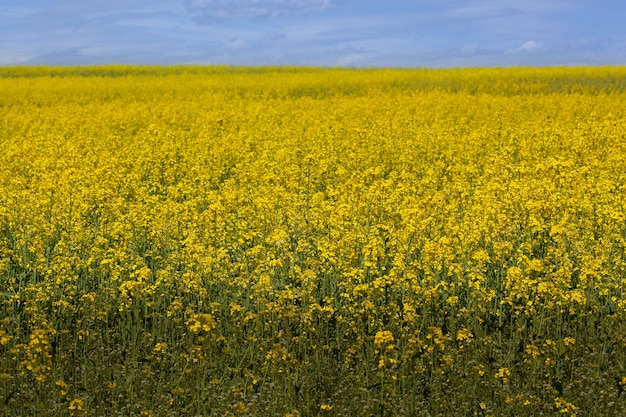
{"x": 241, "y": 9}
{"x": 351, "y": 60}
{"x": 16, "y": 12}
{"x": 10, "y": 57}
{"x": 529, "y": 47}
{"x": 470, "y": 48}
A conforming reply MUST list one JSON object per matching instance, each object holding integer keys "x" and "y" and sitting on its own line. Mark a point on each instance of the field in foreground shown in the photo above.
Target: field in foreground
{"x": 304, "y": 241}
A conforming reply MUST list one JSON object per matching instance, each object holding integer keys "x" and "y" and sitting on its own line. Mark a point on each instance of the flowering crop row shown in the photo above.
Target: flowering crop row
{"x": 306, "y": 241}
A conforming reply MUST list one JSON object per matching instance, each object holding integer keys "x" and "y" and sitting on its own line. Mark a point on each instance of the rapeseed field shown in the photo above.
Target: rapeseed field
{"x": 198, "y": 241}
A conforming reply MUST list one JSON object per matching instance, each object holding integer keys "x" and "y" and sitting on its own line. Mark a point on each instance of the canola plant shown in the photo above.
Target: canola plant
{"x": 311, "y": 241}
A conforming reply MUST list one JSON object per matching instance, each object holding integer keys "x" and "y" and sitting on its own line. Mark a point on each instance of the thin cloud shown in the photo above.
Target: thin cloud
{"x": 243, "y": 9}
{"x": 529, "y": 47}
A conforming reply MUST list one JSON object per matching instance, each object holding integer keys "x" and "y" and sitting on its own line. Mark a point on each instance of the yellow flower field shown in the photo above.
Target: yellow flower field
{"x": 201, "y": 241}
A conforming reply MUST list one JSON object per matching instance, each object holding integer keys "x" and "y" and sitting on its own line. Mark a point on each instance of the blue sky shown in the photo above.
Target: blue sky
{"x": 420, "y": 33}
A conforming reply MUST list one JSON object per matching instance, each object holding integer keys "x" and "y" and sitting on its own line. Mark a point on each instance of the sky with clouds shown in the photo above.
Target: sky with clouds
{"x": 391, "y": 33}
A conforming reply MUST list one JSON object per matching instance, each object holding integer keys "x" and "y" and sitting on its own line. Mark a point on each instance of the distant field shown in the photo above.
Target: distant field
{"x": 195, "y": 241}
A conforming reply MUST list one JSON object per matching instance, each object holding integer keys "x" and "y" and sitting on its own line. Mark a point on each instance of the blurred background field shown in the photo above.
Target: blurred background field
{"x": 312, "y": 241}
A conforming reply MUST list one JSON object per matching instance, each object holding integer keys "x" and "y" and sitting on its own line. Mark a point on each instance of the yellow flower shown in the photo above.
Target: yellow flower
{"x": 201, "y": 322}
{"x": 383, "y": 337}
{"x": 464, "y": 334}
{"x": 565, "y": 407}
{"x": 4, "y": 338}
{"x": 503, "y": 374}
{"x": 160, "y": 347}
{"x": 77, "y": 407}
